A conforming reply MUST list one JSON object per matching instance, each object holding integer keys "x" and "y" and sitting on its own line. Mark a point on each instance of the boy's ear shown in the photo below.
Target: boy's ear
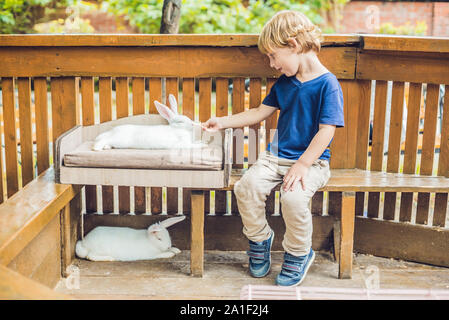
{"x": 293, "y": 43}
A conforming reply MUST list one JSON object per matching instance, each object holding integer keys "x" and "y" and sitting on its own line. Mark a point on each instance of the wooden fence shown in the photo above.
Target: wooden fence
{"x": 51, "y": 83}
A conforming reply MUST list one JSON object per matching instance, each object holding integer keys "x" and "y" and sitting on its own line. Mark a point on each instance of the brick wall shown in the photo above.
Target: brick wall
{"x": 360, "y": 16}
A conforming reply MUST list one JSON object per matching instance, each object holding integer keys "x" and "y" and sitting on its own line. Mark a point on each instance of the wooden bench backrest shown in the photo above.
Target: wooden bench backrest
{"x": 131, "y": 72}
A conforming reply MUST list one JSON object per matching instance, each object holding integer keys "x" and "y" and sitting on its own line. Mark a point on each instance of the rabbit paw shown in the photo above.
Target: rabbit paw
{"x": 174, "y": 250}
{"x": 166, "y": 254}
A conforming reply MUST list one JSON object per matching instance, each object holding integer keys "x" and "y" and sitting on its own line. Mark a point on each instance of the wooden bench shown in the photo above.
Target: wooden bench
{"x": 347, "y": 181}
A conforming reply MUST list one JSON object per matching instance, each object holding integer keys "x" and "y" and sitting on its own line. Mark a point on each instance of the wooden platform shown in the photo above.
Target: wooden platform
{"x": 226, "y": 273}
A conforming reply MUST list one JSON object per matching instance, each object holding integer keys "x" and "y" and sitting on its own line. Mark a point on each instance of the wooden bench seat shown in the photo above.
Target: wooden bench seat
{"x": 347, "y": 181}
{"x": 372, "y": 181}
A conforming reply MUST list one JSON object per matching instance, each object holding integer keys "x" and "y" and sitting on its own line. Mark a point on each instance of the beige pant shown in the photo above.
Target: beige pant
{"x": 256, "y": 184}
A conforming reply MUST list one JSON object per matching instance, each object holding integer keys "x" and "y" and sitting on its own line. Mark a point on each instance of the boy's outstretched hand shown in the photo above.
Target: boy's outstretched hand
{"x": 212, "y": 125}
{"x": 296, "y": 173}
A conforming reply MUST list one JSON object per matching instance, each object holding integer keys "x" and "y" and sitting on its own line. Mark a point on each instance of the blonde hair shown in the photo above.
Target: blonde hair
{"x": 288, "y": 24}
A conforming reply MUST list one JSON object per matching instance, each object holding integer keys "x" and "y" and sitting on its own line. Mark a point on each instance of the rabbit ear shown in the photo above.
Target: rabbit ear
{"x": 171, "y": 221}
{"x": 156, "y": 227}
{"x": 173, "y": 103}
{"x": 164, "y": 111}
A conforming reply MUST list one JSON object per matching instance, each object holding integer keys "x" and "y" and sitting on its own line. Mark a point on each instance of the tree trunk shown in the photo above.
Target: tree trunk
{"x": 171, "y": 12}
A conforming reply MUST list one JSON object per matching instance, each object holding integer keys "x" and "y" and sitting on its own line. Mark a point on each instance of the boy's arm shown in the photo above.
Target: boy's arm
{"x": 316, "y": 148}
{"x": 238, "y": 120}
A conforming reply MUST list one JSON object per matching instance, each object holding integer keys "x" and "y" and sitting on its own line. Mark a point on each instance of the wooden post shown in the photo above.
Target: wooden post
{"x": 346, "y": 235}
{"x": 197, "y": 233}
{"x": 65, "y": 240}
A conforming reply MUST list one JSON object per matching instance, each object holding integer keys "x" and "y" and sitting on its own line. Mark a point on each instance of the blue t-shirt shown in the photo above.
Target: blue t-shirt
{"x": 303, "y": 106}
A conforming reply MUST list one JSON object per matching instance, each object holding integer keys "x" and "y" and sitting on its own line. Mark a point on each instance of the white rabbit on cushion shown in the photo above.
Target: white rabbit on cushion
{"x": 127, "y": 244}
{"x": 177, "y": 134}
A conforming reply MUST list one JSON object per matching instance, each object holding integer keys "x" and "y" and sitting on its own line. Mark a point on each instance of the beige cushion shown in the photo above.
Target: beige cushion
{"x": 206, "y": 158}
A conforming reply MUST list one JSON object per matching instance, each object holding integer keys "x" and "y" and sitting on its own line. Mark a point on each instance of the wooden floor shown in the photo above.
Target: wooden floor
{"x": 226, "y": 273}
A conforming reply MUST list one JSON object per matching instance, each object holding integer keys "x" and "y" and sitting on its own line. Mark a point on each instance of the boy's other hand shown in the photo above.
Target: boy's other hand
{"x": 296, "y": 174}
{"x": 212, "y": 125}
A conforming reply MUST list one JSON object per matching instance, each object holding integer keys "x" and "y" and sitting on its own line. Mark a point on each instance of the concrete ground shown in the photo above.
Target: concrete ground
{"x": 225, "y": 273}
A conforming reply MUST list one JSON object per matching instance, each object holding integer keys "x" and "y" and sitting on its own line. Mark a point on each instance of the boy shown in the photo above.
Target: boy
{"x": 310, "y": 100}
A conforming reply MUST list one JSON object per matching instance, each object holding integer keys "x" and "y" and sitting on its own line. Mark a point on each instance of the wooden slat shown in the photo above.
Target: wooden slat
{"x": 398, "y": 66}
{"x": 377, "y": 151}
{"x": 270, "y": 128}
{"x": 221, "y": 110}
{"x": 188, "y": 109}
{"x": 441, "y": 199}
{"x": 12, "y": 181}
{"x": 122, "y": 93}
{"x": 26, "y": 139}
{"x": 205, "y": 96}
{"x": 410, "y": 44}
{"x": 394, "y": 144}
{"x": 88, "y": 105}
{"x": 411, "y": 146}
{"x": 362, "y": 180}
{"x": 238, "y": 105}
{"x": 154, "y": 40}
{"x": 138, "y": 89}
{"x": 65, "y": 105}
{"x": 403, "y": 241}
{"x": 345, "y": 139}
{"x": 42, "y": 135}
{"x": 364, "y": 91}
{"x": 155, "y": 86}
{"x": 105, "y": 92}
{"x": 197, "y": 234}
{"x": 185, "y": 62}
{"x": 346, "y": 235}
{"x": 172, "y": 87}
{"x": 255, "y": 87}
{"x": 428, "y": 149}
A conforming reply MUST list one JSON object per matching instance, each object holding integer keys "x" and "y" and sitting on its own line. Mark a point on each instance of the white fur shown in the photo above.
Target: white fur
{"x": 127, "y": 244}
{"x": 177, "y": 134}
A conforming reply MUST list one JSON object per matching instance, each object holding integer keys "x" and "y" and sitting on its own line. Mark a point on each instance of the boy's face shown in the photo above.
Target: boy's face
{"x": 285, "y": 60}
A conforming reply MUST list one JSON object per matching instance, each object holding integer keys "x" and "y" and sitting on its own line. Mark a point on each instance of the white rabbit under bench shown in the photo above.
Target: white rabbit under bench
{"x": 149, "y": 150}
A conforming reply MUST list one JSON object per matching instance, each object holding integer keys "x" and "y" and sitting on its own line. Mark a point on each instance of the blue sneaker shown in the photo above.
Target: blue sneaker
{"x": 294, "y": 269}
{"x": 260, "y": 257}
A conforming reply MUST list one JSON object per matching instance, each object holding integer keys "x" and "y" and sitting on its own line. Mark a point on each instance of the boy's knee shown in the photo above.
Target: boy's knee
{"x": 294, "y": 199}
{"x": 243, "y": 187}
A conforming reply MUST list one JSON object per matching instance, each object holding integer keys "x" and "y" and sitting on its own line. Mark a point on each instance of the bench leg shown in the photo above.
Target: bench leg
{"x": 197, "y": 233}
{"x": 344, "y": 235}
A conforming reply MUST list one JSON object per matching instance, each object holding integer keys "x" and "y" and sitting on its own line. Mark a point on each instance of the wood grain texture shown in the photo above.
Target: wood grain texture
{"x": 154, "y": 40}
{"x": 377, "y": 151}
{"x": 155, "y": 86}
{"x": 42, "y": 133}
{"x": 221, "y": 110}
{"x": 197, "y": 234}
{"x": 9, "y": 123}
{"x": 105, "y": 93}
{"x": 184, "y": 62}
{"x": 411, "y": 146}
{"x": 172, "y": 87}
{"x": 122, "y": 107}
{"x": 138, "y": 104}
{"x": 88, "y": 112}
{"x": 394, "y": 145}
{"x": 23, "y": 217}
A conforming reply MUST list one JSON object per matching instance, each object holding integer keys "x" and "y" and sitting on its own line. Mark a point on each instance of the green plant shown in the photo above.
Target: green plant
{"x": 19, "y": 16}
{"x": 419, "y": 29}
{"x": 215, "y": 16}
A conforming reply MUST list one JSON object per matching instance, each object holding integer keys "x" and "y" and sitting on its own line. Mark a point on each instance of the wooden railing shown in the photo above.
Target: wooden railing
{"x": 51, "y": 83}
